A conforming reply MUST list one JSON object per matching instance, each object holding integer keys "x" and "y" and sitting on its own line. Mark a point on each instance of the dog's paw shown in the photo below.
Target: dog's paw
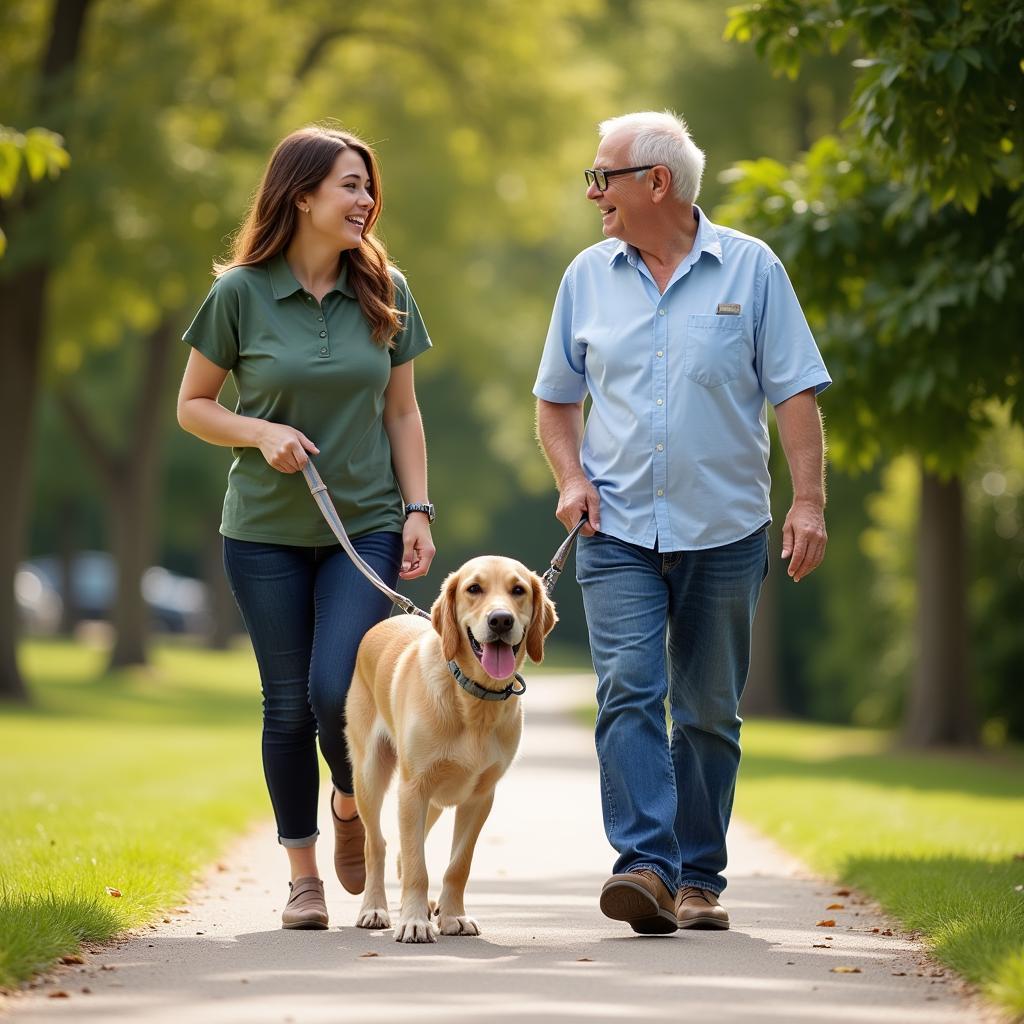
{"x": 415, "y": 929}
{"x": 373, "y": 917}
{"x": 461, "y": 925}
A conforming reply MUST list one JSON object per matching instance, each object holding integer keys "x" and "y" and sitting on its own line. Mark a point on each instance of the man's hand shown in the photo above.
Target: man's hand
{"x": 804, "y": 538}
{"x": 579, "y": 497}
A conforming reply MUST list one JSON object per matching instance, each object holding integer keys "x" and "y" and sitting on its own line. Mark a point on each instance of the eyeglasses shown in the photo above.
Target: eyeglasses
{"x": 598, "y": 177}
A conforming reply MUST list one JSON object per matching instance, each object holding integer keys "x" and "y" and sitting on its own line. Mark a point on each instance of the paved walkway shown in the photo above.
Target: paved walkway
{"x": 546, "y": 952}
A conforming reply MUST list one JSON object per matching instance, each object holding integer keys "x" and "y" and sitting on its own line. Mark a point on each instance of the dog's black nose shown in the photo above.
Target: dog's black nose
{"x": 500, "y": 621}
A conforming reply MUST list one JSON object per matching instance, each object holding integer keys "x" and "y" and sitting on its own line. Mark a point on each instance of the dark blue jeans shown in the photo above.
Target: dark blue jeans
{"x": 306, "y": 609}
{"x": 673, "y": 624}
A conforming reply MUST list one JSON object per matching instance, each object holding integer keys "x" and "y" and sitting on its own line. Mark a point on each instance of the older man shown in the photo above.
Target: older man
{"x": 678, "y": 329}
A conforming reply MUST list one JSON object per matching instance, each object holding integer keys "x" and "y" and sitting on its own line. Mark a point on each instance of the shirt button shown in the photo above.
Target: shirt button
{"x": 323, "y": 334}
{"x": 660, "y": 402}
{"x": 323, "y": 351}
{"x": 661, "y": 312}
{"x": 661, "y": 447}
{"x": 661, "y": 493}
{"x": 660, "y": 354}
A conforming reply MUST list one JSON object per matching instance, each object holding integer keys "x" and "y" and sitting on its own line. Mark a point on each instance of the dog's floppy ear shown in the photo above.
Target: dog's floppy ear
{"x": 442, "y": 617}
{"x": 542, "y": 622}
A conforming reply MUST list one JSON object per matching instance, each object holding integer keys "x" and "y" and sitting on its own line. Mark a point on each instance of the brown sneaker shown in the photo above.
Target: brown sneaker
{"x": 699, "y": 908}
{"x": 349, "y": 840}
{"x": 642, "y": 900}
{"x": 306, "y": 907}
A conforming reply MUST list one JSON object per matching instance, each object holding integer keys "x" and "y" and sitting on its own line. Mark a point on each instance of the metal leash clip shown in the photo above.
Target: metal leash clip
{"x": 550, "y": 578}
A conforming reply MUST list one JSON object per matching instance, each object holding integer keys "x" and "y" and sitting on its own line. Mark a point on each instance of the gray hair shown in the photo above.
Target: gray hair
{"x": 662, "y": 139}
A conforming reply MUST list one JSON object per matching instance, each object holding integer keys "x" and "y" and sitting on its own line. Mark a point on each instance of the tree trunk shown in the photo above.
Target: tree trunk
{"x": 131, "y": 544}
{"x": 940, "y": 710}
{"x": 67, "y": 553}
{"x": 130, "y": 482}
{"x": 23, "y": 299}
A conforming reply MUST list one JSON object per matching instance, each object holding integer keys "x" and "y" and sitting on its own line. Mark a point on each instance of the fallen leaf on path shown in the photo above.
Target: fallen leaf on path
{"x": 899, "y": 974}
{"x": 836, "y": 906}
{"x": 827, "y": 923}
{"x": 364, "y": 955}
{"x": 584, "y": 960}
{"x": 841, "y": 892}
{"x": 846, "y": 970}
{"x": 111, "y": 891}
{"x": 887, "y": 931}
{"x": 59, "y": 994}
{"x": 820, "y": 945}
{"x": 72, "y": 958}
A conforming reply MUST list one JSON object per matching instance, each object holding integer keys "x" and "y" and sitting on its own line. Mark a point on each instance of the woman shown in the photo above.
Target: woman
{"x": 319, "y": 331}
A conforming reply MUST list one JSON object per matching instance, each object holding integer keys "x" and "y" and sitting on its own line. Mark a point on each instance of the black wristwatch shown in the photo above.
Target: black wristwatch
{"x": 421, "y": 506}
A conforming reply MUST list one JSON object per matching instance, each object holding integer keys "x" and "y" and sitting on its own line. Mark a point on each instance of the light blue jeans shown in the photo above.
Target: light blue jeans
{"x": 673, "y": 624}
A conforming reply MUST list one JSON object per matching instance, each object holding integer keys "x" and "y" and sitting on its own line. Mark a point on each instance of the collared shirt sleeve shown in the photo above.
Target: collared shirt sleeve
{"x": 413, "y": 338}
{"x": 787, "y": 358}
{"x": 214, "y": 331}
{"x": 561, "y": 377}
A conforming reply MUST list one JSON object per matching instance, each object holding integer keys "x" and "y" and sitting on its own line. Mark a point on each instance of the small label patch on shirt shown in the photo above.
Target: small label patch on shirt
{"x": 728, "y": 309}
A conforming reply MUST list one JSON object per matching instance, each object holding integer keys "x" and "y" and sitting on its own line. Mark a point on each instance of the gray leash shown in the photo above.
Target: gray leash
{"x": 323, "y": 498}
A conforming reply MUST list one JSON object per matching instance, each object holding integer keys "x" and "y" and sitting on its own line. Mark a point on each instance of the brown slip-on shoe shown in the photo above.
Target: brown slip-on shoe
{"x": 306, "y": 907}
{"x": 642, "y": 900}
{"x": 699, "y": 908}
{"x": 349, "y": 843}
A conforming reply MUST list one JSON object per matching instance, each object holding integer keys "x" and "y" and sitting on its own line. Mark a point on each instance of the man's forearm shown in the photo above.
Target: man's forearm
{"x": 560, "y": 432}
{"x": 803, "y": 441}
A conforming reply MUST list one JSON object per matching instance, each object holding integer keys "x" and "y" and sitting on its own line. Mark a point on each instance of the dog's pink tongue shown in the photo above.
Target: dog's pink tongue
{"x": 498, "y": 660}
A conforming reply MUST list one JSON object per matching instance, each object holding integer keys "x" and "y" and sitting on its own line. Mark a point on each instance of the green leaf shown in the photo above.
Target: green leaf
{"x": 957, "y": 72}
{"x": 972, "y": 56}
{"x": 10, "y": 163}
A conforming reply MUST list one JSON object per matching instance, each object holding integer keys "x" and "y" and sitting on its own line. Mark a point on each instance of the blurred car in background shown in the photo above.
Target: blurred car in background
{"x": 179, "y": 604}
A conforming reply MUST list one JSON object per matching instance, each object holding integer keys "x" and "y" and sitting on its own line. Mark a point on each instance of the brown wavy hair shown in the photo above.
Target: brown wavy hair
{"x": 299, "y": 163}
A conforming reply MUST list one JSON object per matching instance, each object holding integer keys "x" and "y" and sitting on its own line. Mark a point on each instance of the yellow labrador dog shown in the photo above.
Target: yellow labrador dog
{"x": 437, "y": 699}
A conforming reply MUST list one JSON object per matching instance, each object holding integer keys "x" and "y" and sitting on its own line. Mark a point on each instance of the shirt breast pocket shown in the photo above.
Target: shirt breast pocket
{"x": 713, "y": 349}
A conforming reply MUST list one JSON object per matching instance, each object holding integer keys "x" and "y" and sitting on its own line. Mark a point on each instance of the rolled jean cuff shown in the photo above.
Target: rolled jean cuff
{"x": 299, "y": 844}
{"x": 646, "y": 866}
{"x": 697, "y": 883}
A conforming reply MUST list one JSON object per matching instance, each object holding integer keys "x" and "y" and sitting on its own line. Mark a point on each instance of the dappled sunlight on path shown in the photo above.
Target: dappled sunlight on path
{"x": 546, "y": 952}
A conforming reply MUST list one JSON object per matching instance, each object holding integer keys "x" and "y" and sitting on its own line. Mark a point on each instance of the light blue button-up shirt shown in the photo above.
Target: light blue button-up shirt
{"x": 676, "y": 439}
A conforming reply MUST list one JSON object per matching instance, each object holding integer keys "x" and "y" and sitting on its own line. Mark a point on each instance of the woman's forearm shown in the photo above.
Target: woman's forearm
{"x": 409, "y": 454}
{"x": 211, "y": 422}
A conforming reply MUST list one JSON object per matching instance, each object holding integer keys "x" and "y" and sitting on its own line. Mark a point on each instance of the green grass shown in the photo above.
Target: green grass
{"x": 133, "y": 781}
{"x": 937, "y": 839}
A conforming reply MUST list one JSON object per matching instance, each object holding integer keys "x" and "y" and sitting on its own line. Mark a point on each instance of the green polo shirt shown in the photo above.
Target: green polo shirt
{"x": 315, "y": 367}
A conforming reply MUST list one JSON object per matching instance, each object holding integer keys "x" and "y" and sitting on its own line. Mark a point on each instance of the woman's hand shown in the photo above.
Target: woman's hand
{"x": 285, "y": 448}
{"x": 418, "y": 551}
